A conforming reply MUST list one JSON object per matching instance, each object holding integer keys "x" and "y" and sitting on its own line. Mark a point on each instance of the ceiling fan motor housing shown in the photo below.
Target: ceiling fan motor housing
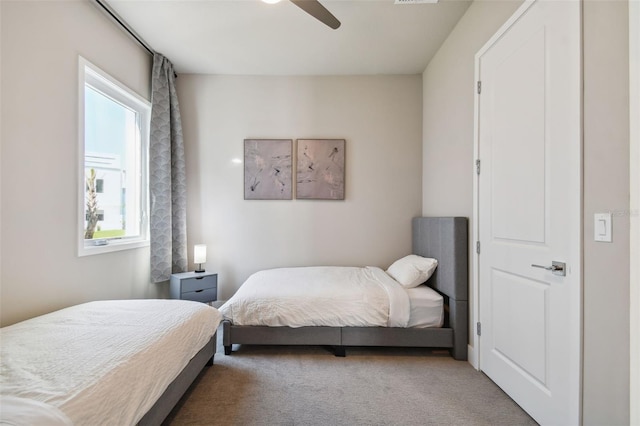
{"x": 415, "y": 1}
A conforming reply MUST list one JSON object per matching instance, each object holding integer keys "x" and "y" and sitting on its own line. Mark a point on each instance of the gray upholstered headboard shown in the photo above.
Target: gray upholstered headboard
{"x": 444, "y": 239}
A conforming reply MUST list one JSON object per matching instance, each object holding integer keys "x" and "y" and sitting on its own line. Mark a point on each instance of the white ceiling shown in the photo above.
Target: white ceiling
{"x": 249, "y": 37}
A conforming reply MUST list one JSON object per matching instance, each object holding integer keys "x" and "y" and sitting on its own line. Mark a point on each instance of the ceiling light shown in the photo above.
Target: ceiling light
{"x": 271, "y": 1}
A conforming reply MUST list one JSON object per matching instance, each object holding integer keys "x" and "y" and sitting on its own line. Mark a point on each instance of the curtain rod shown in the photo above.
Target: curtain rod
{"x": 118, "y": 20}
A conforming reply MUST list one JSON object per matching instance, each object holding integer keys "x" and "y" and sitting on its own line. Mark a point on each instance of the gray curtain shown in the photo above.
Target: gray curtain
{"x": 167, "y": 176}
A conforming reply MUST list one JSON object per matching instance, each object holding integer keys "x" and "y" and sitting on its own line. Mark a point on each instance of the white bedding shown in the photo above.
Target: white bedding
{"x": 321, "y": 296}
{"x": 100, "y": 362}
{"x": 16, "y": 411}
{"x": 427, "y": 307}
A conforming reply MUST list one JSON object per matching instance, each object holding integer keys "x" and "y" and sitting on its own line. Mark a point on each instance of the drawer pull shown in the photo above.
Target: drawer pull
{"x": 199, "y": 278}
{"x": 201, "y": 290}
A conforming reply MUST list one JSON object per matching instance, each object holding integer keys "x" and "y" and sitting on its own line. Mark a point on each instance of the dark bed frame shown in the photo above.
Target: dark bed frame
{"x": 442, "y": 238}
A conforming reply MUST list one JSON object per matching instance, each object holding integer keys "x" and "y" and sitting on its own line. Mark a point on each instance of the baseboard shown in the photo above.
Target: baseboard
{"x": 472, "y": 357}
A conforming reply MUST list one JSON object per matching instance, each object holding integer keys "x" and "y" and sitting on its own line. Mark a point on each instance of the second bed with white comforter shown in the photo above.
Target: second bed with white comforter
{"x": 332, "y": 296}
{"x": 420, "y": 300}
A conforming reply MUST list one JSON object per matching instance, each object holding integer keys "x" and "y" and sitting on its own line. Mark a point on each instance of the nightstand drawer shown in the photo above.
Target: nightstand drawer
{"x": 207, "y": 295}
{"x": 198, "y": 286}
{"x": 199, "y": 283}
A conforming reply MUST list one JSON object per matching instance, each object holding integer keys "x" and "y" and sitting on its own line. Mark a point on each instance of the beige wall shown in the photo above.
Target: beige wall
{"x": 448, "y": 134}
{"x": 380, "y": 118}
{"x": 606, "y": 188}
{"x": 40, "y": 270}
{"x": 1, "y": 103}
{"x": 448, "y": 86}
{"x": 634, "y": 299}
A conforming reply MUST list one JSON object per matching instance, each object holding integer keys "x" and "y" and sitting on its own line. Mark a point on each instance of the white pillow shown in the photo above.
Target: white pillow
{"x": 412, "y": 270}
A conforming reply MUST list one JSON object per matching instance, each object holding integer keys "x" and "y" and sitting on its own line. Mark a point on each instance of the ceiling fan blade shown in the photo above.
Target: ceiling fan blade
{"x": 318, "y": 11}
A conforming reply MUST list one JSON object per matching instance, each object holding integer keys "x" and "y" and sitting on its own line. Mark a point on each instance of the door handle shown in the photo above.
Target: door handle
{"x": 557, "y": 268}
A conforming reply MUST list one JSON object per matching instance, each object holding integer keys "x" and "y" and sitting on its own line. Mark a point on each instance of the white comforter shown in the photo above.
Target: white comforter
{"x": 319, "y": 296}
{"x": 100, "y": 362}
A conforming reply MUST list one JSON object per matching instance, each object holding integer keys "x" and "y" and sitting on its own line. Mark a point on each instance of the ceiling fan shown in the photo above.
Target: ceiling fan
{"x": 315, "y": 9}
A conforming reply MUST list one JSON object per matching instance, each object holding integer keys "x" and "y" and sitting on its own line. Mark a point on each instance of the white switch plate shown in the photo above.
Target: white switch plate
{"x": 602, "y": 227}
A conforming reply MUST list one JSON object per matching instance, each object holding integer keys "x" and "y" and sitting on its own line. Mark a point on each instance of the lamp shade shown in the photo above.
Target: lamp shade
{"x": 200, "y": 253}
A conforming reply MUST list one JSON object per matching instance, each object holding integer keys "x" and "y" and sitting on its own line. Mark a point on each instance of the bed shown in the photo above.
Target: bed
{"x": 440, "y": 238}
{"x": 120, "y": 362}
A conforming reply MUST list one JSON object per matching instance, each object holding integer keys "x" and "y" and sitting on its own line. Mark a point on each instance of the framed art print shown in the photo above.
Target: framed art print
{"x": 267, "y": 169}
{"x": 320, "y": 169}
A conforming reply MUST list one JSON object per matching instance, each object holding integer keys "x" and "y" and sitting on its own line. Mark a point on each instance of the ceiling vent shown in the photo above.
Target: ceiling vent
{"x": 415, "y": 1}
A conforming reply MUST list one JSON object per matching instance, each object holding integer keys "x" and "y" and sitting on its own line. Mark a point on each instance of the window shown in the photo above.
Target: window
{"x": 114, "y": 135}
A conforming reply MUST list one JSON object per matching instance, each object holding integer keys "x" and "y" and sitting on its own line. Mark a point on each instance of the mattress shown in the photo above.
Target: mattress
{"x": 330, "y": 296}
{"x": 74, "y": 364}
{"x": 427, "y": 307}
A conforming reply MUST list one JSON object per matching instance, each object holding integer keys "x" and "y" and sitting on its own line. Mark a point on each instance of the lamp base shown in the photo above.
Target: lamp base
{"x": 199, "y": 269}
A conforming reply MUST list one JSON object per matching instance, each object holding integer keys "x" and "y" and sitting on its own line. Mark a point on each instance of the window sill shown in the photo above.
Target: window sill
{"x": 111, "y": 246}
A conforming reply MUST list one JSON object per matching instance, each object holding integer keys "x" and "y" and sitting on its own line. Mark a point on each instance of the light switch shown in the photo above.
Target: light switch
{"x": 602, "y": 227}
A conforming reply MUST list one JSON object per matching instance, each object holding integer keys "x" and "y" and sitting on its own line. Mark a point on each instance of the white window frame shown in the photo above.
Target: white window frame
{"x": 103, "y": 82}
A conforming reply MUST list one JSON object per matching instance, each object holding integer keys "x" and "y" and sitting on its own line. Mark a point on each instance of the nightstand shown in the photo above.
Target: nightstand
{"x": 197, "y": 286}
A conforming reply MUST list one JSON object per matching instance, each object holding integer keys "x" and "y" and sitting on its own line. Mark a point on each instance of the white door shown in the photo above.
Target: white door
{"x": 529, "y": 209}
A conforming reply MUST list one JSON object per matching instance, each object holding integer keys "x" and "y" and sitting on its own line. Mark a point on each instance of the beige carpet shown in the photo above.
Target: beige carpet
{"x": 270, "y": 385}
